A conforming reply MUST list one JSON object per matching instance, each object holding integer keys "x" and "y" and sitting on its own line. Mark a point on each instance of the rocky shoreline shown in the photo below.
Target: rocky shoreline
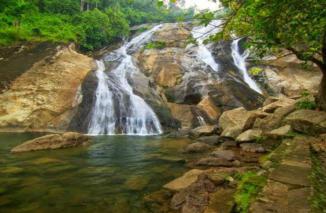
{"x": 244, "y": 169}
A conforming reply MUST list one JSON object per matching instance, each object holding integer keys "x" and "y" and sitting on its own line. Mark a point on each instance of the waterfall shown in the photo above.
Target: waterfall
{"x": 240, "y": 62}
{"x": 117, "y": 110}
{"x": 201, "y": 33}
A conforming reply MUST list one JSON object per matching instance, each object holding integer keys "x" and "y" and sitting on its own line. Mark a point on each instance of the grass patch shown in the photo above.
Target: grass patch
{"x": 249, "y": 185}
{"x": 155, "y": 45}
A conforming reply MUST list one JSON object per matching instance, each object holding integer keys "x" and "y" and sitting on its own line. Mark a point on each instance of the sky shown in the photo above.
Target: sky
{"x": 201, "y": 4}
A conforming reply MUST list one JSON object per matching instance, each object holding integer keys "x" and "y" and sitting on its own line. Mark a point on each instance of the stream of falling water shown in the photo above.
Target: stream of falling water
{"x": 240, "y": 62}
{"x": 201, "y": 33}
{"x": 117, "y": 110}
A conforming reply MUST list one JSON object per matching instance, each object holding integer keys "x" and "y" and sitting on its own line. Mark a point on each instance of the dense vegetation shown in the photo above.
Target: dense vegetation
{"x": 90, "y": 23}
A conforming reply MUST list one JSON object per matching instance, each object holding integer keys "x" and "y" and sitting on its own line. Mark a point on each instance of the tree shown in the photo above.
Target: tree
{"x": 296, "y": 25}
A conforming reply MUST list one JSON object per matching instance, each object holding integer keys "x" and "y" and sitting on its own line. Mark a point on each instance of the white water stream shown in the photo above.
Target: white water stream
{"x": 240, "y": 62}
{"x": 117, "y": 110}
{"x": 201, "y": 33}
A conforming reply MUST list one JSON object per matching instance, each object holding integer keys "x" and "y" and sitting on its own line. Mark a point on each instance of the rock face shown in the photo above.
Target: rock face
{"x": 46, "y": 95}
{"x": 286, "y": 75}
{"x": 307, "y": 121}
{"x": 53, "y": 141}
{"x": 195, "y": 93}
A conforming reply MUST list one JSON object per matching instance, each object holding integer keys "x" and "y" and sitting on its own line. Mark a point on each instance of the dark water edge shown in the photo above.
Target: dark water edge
{"x": 112, "y": 175}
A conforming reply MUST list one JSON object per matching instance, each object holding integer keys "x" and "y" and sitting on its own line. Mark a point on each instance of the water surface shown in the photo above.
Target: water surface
{"x": 111, "y": 175}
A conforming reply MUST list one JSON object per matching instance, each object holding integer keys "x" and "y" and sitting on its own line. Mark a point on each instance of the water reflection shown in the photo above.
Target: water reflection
{"x": 111, "y": 175}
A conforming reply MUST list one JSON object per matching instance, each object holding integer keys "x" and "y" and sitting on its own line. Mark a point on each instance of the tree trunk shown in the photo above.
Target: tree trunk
{"x": 322, "y": 90}
{"x": 321, "y": 99}
{"x": 81, "y": 5}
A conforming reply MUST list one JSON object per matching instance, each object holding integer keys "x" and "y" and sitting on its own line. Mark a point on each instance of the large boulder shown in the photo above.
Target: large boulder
{"x": 307, "y": 121}
{"x": 234, "y": 122}
{"x": 53, "y": 141}
{"x": 184, "y": 181}
{"x": 47, "y": 94}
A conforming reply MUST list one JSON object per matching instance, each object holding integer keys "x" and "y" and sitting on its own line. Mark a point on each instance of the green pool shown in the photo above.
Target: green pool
{"x": 112, "y": 175}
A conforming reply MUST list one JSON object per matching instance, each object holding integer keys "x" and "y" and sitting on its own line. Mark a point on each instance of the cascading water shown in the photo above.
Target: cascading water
{"x": 201, "y": 33}
{"x": 117, "y": 110}
{"x": 240, "y": 62}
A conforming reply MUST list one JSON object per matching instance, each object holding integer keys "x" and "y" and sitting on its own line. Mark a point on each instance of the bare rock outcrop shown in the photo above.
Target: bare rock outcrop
{"x": 44, "y": 97}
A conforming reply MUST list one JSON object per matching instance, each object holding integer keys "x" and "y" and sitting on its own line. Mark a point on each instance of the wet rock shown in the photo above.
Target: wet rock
{"x": 224, "y": 154}
{"x": 53, "y": 141}
{"x": 280, "y": 132}
{"x": 203, "y": 131}
{"x": 249, "y": 135}
{"x": 213, "y": 161}
{"x": 197, "y": 147}
{"x": 208, "y": 106}
{"x": 211, "y": 140}
{"x": 310, "y": 122}
{"x": 252, "y": 147}
{"x": 184, "y": 181}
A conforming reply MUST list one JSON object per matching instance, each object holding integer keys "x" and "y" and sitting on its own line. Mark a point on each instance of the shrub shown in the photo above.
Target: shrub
{"x": 156, "y": 45}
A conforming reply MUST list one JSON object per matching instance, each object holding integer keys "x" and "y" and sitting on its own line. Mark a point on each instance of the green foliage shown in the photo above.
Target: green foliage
{"x": 306, "y": 102}
{"x": 155, "y": 45}
{"x": 249, "y": 185}
{"x": 294, "y": 24}
{"x": 255, "y": 71}
{"x": 92, "y": 24}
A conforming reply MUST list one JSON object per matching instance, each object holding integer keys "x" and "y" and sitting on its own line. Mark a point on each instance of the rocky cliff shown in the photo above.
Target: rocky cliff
{"x": 45, "y": 96}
